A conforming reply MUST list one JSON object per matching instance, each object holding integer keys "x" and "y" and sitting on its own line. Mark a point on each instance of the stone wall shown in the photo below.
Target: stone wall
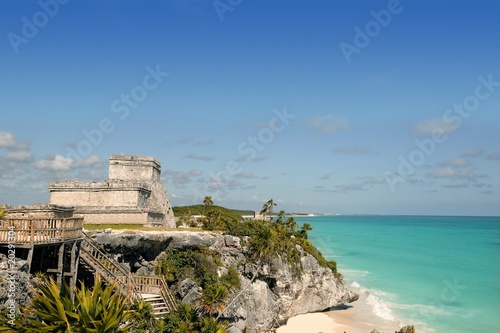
{"x": 133, "y": 194}
{"x": 111, "y": 216}
{"x": 134, "y": 168}
{"x": 98, "y": 194}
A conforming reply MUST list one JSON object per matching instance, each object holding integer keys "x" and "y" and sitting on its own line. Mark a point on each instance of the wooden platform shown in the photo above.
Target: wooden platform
{"x": 38, "y": 231}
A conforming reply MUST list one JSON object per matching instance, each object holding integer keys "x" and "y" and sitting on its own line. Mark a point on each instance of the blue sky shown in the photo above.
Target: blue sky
{"x": 379, "y": 107}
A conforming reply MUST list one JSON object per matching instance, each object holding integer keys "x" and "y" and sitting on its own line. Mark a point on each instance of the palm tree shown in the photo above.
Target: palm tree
{"x": 305, "y": 228}
{"x": 291, "y": 224}
{"x": 265, "y": 243}
{"x": 210, "y": 325}
{"x": 214, "y": 298}
{"x": 281, "y": 215}
{"x": 207, "y": 201}
{"x": 270, "y": 206}
{"x": 264, "y": 210}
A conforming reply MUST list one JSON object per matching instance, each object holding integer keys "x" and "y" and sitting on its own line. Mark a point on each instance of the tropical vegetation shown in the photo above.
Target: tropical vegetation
{"x": 53, "y": 309}
{"x": 103, "y": 309}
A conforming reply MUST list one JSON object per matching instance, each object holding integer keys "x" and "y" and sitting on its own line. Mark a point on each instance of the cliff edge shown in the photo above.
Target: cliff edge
{"x": 269, "y": 293}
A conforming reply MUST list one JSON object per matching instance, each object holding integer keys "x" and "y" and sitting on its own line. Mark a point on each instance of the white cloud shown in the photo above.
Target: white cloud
{"x": 199, "y": 157}
{"x": 328, "y": 124}
{"x": 453, "y": 173}
{"x": 473, "y": 153}
{"x": 181, "y": 178}
{"x": 56, "y": 163}
{"x": 350, "y": 187}
{"x": 245, "y": 174}
{"x": 461, "y": 185}
{"x": 8, "y": 141}
{"x": 90, "y": 161}
{"x": 19, "y": 156}
{"x": 431, "y": 126}
{"x": 443, "y": 173}
{"x": 456, "y": 162}
{"x": 375, "y": 180}
{"x": 493, "y": 157}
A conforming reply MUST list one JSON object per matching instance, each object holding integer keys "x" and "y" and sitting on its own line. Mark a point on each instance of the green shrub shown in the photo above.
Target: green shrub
{"x": 231, "y": 280}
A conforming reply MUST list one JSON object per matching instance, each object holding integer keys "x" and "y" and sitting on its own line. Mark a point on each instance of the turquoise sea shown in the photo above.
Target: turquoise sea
{"x": 441, "y": 273}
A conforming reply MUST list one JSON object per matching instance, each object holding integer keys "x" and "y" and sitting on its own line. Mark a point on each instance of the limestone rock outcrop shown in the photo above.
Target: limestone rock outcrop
{"x": 269, "y": 294}
{"x": 17, "y": 281}
{"x": 407, "y": 329}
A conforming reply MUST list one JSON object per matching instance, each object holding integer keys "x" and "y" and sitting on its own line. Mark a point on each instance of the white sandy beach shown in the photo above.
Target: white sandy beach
{"x": 356, "y": 319}
{"x": 316, "y": 323}
{"x": 325, "y": 322}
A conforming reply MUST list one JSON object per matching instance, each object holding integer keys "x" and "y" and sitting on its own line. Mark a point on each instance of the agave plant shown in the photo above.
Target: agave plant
{"x": 100, "y": 310}
{"x": 51, "y": 310}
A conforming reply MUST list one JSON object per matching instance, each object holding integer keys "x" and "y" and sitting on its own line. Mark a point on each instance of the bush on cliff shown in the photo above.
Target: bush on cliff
{"x": 268, "y": 238}
{"x": 101, "y": 310}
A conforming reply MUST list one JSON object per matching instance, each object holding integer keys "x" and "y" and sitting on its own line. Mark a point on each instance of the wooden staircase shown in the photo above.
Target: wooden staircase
{"x": 151, "y": 289}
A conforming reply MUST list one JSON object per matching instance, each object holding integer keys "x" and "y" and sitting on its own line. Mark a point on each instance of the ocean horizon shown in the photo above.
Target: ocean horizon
{"x": 439, "y": 273}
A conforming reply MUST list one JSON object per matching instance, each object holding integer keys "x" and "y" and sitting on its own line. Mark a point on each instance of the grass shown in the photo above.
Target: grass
{"x": 140, "y": 227}
{"x": 117, "y": 227}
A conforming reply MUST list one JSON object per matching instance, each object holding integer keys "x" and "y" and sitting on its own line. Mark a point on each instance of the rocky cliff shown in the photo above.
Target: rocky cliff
{"x": 269, "y": 293}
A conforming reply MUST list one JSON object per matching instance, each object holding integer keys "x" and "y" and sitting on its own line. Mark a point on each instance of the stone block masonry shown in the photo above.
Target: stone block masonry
{"x": 133, "y": 194}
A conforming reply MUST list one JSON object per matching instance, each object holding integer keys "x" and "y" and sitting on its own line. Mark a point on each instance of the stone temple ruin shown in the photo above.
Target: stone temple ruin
{"x": 133, "y": 194}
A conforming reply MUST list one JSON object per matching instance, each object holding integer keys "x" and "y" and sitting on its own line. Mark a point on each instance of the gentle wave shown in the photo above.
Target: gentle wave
{"x": 380, "y": 308}
{"x": 354, "y": 273}
{"x": 378, "y": 305}
{"x": 431, "y": 311}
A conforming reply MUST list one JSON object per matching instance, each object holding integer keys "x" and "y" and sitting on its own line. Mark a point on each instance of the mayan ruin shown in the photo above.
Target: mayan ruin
{"x": 132, "y": 194}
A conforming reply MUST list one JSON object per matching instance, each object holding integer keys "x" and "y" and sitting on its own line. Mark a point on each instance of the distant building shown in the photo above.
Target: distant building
{"x": 133, "y": 194}
{"x": 259, "y": 216}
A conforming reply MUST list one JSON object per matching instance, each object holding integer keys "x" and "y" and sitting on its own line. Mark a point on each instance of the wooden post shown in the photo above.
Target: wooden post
{"x": 60, "y": 265}
{"x": 73, "y": 269}
{"x": 42, "y": 256}
{"x": 30, "y": 256}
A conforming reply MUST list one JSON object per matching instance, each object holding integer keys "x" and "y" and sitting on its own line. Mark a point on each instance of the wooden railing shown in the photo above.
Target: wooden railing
{"x": 154, "y": 285}
{"x": 40, "y": 230}
{"x": 109, "y": 270}
{"x": 128, "y": 284}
